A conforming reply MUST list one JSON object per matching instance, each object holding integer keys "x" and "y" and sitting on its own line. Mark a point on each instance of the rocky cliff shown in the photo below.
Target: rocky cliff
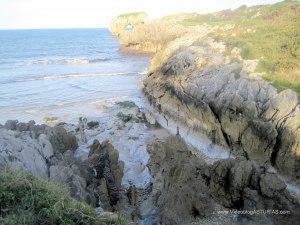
{"x": 205, "y": 87}
{"x": 205, "y": 81}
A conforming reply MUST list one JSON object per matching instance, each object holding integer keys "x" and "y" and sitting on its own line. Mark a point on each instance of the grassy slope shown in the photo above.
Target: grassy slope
{"x": 132, "y": 14}
{"x": 26, "y": 200}
{"x": 269, "y": 33}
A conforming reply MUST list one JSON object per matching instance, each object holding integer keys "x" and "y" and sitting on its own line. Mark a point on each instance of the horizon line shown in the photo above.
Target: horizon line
{"x": 51, "y": 28}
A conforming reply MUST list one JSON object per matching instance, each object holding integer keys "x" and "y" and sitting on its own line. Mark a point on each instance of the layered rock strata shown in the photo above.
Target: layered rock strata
{"x": 208, "y": 87}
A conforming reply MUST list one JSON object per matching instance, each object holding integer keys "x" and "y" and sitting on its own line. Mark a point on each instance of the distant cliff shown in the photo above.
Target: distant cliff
{"x": 267, "y": 33}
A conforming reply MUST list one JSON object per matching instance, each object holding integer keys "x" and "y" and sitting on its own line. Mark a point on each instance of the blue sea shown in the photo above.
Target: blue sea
{"x": 64, "y": 73}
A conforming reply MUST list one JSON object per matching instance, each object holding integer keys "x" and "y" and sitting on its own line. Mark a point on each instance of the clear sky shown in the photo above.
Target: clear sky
{"x": 96, "y": 13}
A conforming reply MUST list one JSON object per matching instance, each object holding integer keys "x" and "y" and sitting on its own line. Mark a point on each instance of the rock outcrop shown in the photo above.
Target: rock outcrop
{"x": 203, "y": 85}
{"x": 32, "y": 147}
{"x": 103, "y": 163}
{"x": 48, "y": 152}
{"x": 211, "y": 88}
{"x": 188, "y": 190}
{"x": 181, "y": 194}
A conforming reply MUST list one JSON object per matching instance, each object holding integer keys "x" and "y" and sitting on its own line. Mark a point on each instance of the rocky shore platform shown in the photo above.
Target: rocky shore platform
{"x": 126, "y": 163}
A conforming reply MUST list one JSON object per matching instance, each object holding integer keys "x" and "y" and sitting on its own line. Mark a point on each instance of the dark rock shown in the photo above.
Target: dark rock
{"x": 22, "y": 127}
{"x": 181, "y": 194}
{"x": 186, "y": 188}
{"x": 103, "y": 159}
{"x": 11, "y": 124}
{"x": 92, "y": 124}
{"x": 271, "y": 185}
{"x": 61, "y": 140}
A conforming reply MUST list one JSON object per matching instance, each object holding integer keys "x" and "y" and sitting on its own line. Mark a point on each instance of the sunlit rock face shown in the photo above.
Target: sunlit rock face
{"x": 32, "y": 147}
{"x": 206, "y": 86}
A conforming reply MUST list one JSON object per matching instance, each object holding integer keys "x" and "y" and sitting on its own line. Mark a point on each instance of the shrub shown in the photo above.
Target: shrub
{"x": 127, "y": 104}
{"x": 26, "y": 200}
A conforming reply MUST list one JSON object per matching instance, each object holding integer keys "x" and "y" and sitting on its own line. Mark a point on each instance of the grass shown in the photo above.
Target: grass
{"x": 26, "y": 200}
{"x": 269, "y": 33}
{"x": 132, "y": 14}
{"x": 50, "y": 119}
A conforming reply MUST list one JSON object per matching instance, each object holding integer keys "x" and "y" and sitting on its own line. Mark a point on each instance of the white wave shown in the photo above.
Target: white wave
{"x": 144, "y": 72}
{"x": 66, "y": 76}
{"x": 73, "y": 61}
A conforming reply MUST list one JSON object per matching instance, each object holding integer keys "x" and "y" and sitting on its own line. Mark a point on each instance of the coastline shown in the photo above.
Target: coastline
{"x": 147, "y": 166}
{"x": 210, "y": 142}
{"x": 210, "y": 88}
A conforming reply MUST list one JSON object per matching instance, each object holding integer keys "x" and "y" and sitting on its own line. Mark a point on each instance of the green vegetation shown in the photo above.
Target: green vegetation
{"x": 127, "y": 104}
{"x": 125, "y": 117}
{"x": 134, "y": 14}
{"x": 26, "y": 200}
{"x": 50, "y": 119}
{"x": 269, "y": 33}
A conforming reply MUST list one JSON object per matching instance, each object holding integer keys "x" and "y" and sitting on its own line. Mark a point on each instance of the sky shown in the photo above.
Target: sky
{"x": 28, "y": 14}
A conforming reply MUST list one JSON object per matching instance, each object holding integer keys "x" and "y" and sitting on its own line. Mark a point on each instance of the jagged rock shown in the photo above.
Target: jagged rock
{"x": 186, "y": 187}
{"x": 21, "y": 151}
{"x": 150, "y": 118}
{"x": 234, "y": 183}
{"x": 47, "y": 152}
{"x": 219, "y": 97}
{"x": 271, "y": 185}
{"x": 66, "y": 175}
{"x": 11, "y": 124}
{"x": 104, "y": 160}
{"x": 181, "y": 193}
{"x": 61, "y": 140}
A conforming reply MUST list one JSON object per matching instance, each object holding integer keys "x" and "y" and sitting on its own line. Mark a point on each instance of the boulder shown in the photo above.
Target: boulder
{"x": 21, "y": 151}
{"x": 271, "y": 185}
{"x": 61, "y": 140}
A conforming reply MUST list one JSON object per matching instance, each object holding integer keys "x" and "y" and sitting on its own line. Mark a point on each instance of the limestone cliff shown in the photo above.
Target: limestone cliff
{"x": 202, "y": 79}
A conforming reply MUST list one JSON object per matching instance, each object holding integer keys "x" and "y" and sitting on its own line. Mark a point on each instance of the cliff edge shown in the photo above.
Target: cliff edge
{"x": 216, "y": 74}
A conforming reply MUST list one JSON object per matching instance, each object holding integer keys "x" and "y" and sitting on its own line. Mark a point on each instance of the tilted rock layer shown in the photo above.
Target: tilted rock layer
{"x": 207, "y": 86}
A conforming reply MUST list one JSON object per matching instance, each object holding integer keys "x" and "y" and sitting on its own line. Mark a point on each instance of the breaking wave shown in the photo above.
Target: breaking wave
{"x": 66, "y": 61}
{"x": 66, "y": 76}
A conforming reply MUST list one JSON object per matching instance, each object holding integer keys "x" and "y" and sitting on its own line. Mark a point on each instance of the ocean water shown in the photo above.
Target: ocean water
{"x": 64, "y": 73}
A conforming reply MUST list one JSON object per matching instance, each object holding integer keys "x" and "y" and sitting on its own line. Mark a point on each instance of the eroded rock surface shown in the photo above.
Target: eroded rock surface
{"x": 48, "y": 152}
{"x": 31, "y": 147}
{"x": 187, "y": 190}
{"x": 205, "y": 86}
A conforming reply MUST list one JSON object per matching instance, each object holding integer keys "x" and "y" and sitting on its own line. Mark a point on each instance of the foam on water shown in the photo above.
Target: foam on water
{"x": 66, "y": 61}
{"x": 61, "y": 72}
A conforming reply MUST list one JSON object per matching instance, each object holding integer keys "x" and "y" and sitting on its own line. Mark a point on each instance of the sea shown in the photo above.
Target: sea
{"x": 65, "y": 73}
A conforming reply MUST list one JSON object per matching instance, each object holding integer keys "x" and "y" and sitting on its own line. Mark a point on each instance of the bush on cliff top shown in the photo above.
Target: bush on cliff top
{"x": 269, "y": 33}
{"x": 124, "y": 15}
{"x": 26, "y": 200}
